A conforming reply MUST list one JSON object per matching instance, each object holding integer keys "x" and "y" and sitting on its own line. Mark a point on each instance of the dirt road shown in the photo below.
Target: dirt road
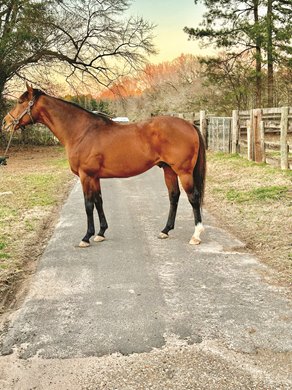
{"x": 136, "y": 312}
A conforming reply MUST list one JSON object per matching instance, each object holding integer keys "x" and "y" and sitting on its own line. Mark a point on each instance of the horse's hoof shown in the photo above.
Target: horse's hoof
{"x": 99, "y": 238}
{"x": 195, "y": 241}
{"x": 84, "y": 244}
{"x": 162, "y": 235}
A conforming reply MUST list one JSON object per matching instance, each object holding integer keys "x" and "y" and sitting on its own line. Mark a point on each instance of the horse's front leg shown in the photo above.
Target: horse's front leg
{"x": 92, "y": 196}
{"x": 88, "y": 192}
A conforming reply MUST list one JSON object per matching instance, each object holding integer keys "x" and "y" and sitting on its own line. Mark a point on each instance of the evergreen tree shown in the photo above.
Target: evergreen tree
{"x": 278, "y": 44}
{"x": 262, "y": 27}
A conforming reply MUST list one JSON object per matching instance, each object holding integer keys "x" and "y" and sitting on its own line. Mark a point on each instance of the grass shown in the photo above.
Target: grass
{"x": 266, "y": 194}
{"x": 39, "y": 189}
{"x": 31, "y": 185}
{"x": 255, "y": 202}
{"x": 3, "y": 254}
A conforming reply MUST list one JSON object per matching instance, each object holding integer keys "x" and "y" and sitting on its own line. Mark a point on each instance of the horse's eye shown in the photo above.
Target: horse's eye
{"x": 20, "y": 101}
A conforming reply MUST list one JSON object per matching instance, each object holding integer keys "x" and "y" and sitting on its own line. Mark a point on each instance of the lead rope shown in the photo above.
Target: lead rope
{"x": 14, "y": 123}
{"x": 9, "y": 142}
{"x": 5, "y": 157}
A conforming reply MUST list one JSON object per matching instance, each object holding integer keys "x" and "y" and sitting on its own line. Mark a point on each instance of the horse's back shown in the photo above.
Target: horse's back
{"x": 173, "y": 132}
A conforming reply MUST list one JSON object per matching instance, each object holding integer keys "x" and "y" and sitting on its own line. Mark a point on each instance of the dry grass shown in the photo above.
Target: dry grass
{"x": 255, "y": 202}
{"x": 32, "y": 185}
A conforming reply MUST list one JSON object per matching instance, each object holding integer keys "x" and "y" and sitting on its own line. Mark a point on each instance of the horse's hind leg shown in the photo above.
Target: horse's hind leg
{"x": 171, "y": 182}
{"x": 188, "y": 184}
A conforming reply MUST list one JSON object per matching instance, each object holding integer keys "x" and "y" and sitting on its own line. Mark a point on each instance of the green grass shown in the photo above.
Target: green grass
{"x": 61, "y": 163}
{"x": 39, "y": 189}
{"x": 3, "y": 253}
{"x": 257, "y": 194}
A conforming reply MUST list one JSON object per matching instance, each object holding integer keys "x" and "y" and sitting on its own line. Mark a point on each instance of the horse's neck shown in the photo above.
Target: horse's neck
{"x": 64, "y": 120}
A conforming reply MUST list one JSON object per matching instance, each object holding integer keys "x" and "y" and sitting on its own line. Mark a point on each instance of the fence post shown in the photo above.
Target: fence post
{"x": 257, "y": 117}
{"x": 249, "y": 137}
{"x": 235, "y": 131}
{"x": 283, "y": 137}
{"x": 223, "y": 135}
{"x": 217, "y": 135}
{"x": 203, "y": 126}
{"x": 262, "y": 136}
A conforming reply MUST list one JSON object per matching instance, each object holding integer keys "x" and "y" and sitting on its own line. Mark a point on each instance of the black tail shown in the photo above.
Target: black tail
{"x": 199, "y": 173}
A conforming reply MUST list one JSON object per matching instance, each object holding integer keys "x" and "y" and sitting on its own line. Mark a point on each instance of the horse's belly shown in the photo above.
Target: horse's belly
{"x": 124, "y": 170}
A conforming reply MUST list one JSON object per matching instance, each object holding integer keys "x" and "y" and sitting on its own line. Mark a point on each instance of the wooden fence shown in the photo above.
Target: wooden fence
{"x": 262, "y": 135}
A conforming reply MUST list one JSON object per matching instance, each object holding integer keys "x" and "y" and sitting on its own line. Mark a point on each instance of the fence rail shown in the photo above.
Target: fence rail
{"x": 261, "y": 135}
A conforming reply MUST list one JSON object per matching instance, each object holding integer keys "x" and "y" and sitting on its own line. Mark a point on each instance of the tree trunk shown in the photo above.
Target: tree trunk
{"x": 2, "y": 100}
{"x": 270, "y": 58}
{"x": 258, "y": 43}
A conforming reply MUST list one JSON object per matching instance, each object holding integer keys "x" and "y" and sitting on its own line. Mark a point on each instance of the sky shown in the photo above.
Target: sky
{"x": 170, "y": 17}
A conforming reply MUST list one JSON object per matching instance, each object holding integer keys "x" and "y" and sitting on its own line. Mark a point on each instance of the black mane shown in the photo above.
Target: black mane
{"x": 38, "y": 92}
{"x": 100, "y": 115}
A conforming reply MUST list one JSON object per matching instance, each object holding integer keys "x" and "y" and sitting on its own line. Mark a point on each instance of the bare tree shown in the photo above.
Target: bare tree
{"x": 90, "y": 38}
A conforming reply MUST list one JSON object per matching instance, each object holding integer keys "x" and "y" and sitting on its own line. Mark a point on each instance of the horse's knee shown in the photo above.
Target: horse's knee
{"x": 174, "y": 197}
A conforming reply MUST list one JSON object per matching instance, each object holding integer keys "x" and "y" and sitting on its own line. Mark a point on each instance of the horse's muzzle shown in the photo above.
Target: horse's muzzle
{"x": 6, "y": 126}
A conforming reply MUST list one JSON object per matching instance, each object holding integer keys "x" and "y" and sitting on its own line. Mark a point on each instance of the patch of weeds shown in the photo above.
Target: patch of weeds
{"x": 266, "y": 193}
{"x": 61, "y": 163}
{"x": 29, "y": 226}
{"x": 7, "y": 211}
{"x": 224, "y": 156}
{"x": 40, "y": 189}
{"x": 237, "y": 196}
{"x": 257, "y": 194}
{"x": 3, "y": 253}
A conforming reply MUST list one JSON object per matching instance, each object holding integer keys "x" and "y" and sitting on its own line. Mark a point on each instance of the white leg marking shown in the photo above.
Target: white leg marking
{"x": 195, "y": 240}
{"x": 99, "y": 238}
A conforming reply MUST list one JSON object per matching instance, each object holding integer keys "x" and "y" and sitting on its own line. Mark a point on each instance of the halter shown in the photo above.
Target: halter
{"x": 14, "y": 123}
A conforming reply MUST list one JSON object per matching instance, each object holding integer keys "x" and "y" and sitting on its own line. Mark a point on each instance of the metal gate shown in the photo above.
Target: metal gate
{"x": 219, "y": 134}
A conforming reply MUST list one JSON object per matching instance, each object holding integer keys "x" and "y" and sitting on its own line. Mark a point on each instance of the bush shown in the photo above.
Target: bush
{"x": 32, "y": 135}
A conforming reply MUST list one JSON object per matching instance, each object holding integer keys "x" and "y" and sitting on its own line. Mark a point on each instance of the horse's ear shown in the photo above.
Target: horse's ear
{"x": 29, "y": 89}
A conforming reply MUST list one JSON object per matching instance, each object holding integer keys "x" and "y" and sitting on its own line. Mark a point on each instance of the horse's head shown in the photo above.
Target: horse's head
{"x": 23, "y": 113}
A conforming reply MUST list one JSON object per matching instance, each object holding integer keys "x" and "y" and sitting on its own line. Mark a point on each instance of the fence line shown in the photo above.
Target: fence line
{"x": 261, "y": 135}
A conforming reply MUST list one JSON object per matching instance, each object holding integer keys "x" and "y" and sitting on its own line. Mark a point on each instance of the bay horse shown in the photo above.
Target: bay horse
{"x": 98, "y": 148}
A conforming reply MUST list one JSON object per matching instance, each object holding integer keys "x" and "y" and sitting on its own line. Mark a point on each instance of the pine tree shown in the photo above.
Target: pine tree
{"x": 262, "y": 27}
{"x": 278, "y": 44}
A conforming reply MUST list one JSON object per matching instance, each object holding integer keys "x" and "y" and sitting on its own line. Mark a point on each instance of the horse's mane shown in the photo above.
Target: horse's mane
{"x": 101, "y": 115}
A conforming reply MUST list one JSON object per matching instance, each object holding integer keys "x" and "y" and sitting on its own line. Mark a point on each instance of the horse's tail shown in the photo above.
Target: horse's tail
{"x": 199, "y": 172}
